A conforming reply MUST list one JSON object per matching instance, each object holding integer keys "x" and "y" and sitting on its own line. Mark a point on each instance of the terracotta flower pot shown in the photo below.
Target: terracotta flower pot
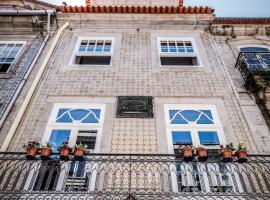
{"x": 241, "y": 156}
{"x": 202, "y": 154}
{"x": 226, "y": 155}
{"x": 78, "y": 153}
{"x": 187, "y": 154}
{"x": 46, "y": 152}
{"x": 31, "y": 153}
{"x": 64, "y": 153}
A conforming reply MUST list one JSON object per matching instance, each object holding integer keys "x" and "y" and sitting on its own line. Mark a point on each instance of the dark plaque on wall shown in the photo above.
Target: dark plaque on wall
{"x": 134, "y": 107}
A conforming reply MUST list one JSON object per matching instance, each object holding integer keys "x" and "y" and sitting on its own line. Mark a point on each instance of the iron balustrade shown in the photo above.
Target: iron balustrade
{"x": 134, "y": 176}
{"x": 252, "y": 64}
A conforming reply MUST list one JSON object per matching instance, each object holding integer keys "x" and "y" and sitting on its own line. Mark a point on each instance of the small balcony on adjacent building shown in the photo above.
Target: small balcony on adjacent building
{"x": 122, "y": 176}
{"x": 255, "y": 69}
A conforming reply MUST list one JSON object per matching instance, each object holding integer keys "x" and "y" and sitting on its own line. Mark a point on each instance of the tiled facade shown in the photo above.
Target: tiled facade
{"x": 134, "y": 71}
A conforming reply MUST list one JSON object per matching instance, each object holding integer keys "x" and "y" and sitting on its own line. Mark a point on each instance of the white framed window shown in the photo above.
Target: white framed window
{"x": 177, "y": 51}
{"x": 93, "y": 51}
{"x": 193, "y": 124}
{"x": 75, "y": 123}
{"x": 9, "y": 51}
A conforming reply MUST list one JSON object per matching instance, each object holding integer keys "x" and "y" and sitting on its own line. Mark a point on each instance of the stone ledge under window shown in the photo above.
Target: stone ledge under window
{"x": 134, "y": 107}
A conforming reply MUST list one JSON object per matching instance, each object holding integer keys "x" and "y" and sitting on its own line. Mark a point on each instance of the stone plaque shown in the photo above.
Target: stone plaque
{"x": 134, "y": 107}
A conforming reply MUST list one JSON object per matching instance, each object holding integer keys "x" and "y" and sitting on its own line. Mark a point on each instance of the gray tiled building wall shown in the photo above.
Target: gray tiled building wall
{"x": 134, "y": 71}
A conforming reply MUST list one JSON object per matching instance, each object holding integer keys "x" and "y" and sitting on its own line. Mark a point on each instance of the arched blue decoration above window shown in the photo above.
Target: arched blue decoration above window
{"x": 254, "y": 49}
{"x": 67, "y": 115}
{"x": 191, "y": 117}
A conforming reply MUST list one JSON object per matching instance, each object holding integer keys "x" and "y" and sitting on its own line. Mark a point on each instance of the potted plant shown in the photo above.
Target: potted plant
{"x": 201, "y": 152}
{"x": 32, "y": 148}
{"x": 227, "y": 152}
{"x": 46, "y": 151}
{"x": 187, "y": 152}
{"x": 79, "y": 151}
{"x": 64, "y": 151}
{"x": 241, "y": 152}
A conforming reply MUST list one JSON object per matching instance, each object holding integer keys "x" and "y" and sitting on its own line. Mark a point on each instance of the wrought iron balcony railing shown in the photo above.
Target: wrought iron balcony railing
{"x": 109, "y": 176}
{"x": 251, "y": 64}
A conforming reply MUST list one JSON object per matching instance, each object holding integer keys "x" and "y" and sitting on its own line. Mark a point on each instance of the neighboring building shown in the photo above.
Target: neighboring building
{"x": 135, "y": 80}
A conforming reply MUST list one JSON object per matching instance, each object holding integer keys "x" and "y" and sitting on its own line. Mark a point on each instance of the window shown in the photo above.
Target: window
{"x": 71, "y": 123}
{"x": 177, "y": 52}
{"x": 75, "y": 124}
{"x": 8, "y": 53}
{"x": 94, "y": 51}
{"x": 193, "y": 125}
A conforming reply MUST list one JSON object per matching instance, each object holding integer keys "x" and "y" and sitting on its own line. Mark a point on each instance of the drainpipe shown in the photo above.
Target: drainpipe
{"x": 31, "y": 90}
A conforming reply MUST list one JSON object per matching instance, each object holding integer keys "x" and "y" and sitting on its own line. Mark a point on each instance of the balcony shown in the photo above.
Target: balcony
{"x": 115, "y": 176}
{"x": 255, "y": 69}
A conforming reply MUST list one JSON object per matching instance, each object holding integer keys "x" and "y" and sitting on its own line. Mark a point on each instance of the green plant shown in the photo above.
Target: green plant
{"x": 227, "y": 147}
{"x": 200, "y": 147}
{"x": 48, "y": 145}
{"x": 182, "y": 147}
{"x": 80, "y": 146}
{"x": 64, "y": 146}
{"x": 32, "y": 144}
{"x": 242, "y": 147}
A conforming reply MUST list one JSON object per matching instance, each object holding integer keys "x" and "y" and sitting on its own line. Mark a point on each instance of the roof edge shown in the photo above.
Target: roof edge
{"x": 137, "y": 9}
{"x": 241, "y": 20}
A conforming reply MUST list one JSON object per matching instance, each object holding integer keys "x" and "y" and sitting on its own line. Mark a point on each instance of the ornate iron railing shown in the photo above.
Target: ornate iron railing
{"x": 110, "y": 176}
{"x": 251, "y": 64}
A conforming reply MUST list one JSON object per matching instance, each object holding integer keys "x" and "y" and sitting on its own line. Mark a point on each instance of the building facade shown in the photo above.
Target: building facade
{"x": 134, "y": 80}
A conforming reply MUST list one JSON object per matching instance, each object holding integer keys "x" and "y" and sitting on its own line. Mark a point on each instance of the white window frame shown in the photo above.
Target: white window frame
{"x": 252, "y": 45}
{"x": 76, "y": 51}
{"x": 18, "y": 54}
{"x": 194, "y": 128}
{"x": 179, "y": 54}
{"x": 75, "y": 127}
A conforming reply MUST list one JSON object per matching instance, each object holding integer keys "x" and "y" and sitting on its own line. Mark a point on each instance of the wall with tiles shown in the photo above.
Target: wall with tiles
{"x": 134, "y": 72}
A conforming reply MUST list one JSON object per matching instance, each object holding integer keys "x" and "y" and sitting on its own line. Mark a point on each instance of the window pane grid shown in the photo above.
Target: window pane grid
{"x": 176, "y": 46}
{"x": 97, "y": 46}
{"x": 8, "y": 52}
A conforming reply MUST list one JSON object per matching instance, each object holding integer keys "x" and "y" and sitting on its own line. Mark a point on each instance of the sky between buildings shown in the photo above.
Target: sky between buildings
{"x": 223, "y": 8}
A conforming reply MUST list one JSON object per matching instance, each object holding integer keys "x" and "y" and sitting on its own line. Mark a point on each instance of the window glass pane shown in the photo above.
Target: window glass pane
{"x": 83, "y": 45}
{"x": 91, "y": 46}
{"x": 78, "y": 115}
{"x": 190, "y": 49}
{"x": 172, "y": 46}
{"x": 99, "y": 46}
{"x": 208, "y": 137}
{"x": 188, "y": 44}
{"x": 164, "y": 46}
{"x": 2, "y": 46}
{"x": 181, "y": 137}
{"x": 9, "y": 60}
{"x": 13, "y": 54}
{"x": 58, "y": 137}
{"x": 107, "y": 47}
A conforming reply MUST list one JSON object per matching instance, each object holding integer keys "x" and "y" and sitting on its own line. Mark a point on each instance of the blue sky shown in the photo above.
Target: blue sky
{"x": 223, "y": 8}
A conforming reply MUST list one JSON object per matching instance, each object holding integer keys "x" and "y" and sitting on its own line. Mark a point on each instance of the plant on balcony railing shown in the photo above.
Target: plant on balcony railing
{"x": 202, "y": 153}
{"x": 241, "y": 152}
{"x": 119, "y": 176}
{"x": 64, "y": 151}
{"x": 32, "y": 148}
{"x": 46, "y": 150}
{"x": 79, "y": 151}
{"x": 187, "y": 152}
{"x": 227, "y": 152}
